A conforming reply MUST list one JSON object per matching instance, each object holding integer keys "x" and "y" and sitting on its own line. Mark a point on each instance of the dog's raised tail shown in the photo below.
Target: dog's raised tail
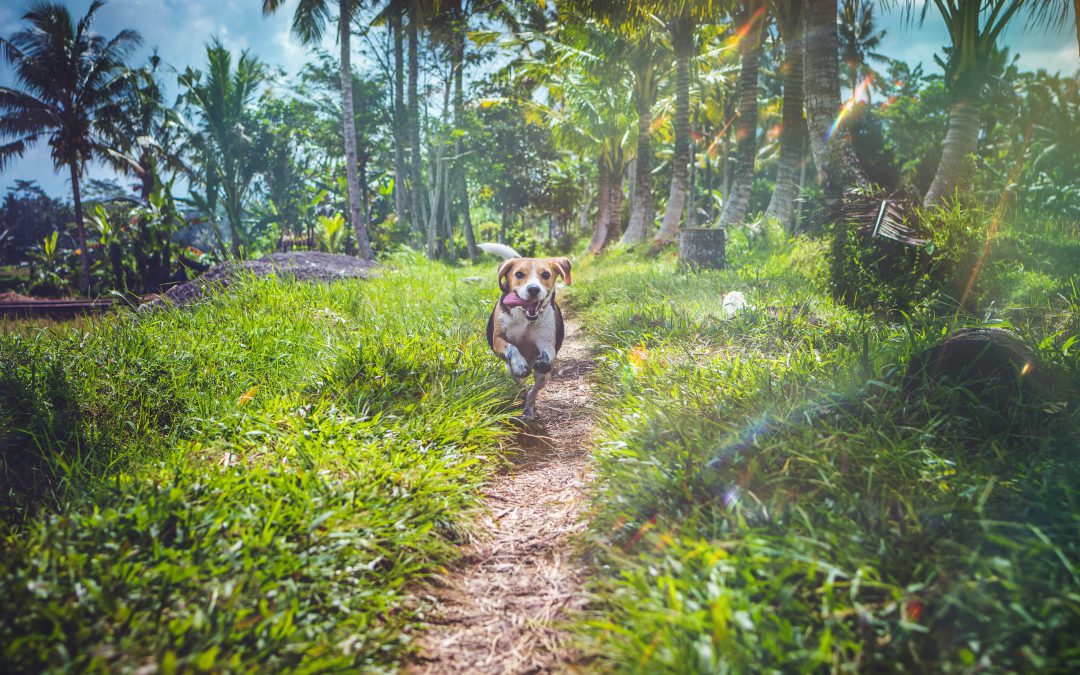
{"x": 501, "y": 250}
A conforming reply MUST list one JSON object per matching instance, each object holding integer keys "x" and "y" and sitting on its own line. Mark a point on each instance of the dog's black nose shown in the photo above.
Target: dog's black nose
{"x": 533, "y": 290}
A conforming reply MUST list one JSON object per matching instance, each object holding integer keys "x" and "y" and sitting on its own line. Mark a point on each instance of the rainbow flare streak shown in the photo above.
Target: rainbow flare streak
{"x": 849, "y": 105}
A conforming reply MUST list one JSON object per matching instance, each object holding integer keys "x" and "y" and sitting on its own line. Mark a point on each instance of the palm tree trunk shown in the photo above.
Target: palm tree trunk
{"x": 603, "y": 208}
{"x": 366, "y": 201}
{"x": 792, "y": 130}
{"x": 234, "y": 213}
{"x": 961, "y": 142}
{"x": 349, "y": 130}
{"x": 682, "y": 39}
{"x": 614, "y": 227}
{"x": 80, "y": 230}
{"x": 641, "y": 203}
{"x": 836, "y": 164}
{"x": 708, "y": 187}
{"x": 725, "y": 165}
{"x": 438, "y": 214}
{"x": 416, "y": 178}
{"x": 802, "y": 183}
{"x": 143, "y": 264}
{"x": 401, "y": 189}
{"x": 738, "y": 200}
{"x": 460, "y": 181}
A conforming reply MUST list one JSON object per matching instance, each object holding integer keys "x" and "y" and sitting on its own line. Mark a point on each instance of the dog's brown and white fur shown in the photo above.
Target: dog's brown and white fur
{"x": 526, "y": 325}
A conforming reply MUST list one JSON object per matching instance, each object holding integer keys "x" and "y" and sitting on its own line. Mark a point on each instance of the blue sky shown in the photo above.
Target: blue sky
{"x": 180, "y": 28}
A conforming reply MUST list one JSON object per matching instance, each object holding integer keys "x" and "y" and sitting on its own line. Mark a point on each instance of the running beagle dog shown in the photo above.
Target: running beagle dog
{"x": 525, "y": 328}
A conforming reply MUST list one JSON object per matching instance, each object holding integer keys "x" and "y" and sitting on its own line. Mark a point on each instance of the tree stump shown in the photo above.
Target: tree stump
{"x": 702, "y": 247}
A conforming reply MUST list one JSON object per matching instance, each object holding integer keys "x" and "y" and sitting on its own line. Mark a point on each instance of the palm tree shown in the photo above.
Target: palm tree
{"x": 837, "y": 166}
{"x": 144, "y": 148}
{"x": 792, "y": 125}
{"x": 737, "y": 200}
{"x": 143, "y": 136}
{"x": 393, "y": 13}
{"x": 858, "y": 38}
{"x": 681, "y": 19}
{"x": 974, "y": 27}
{"x": 644, "y": 53}
{"x": 70, "y": 83}
{"x": 588, "y": 107}
{"x": 309, "y": 23}
{"x": 223, "y": 142}
{"x": 414, "y": 12}
{"x": 681, "y": 27}
{"x": 642, "y": 62}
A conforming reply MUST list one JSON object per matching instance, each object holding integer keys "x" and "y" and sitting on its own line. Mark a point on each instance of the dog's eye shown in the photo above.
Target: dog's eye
{"x": 546, "y": 275}
{"x": 519, "y": 275}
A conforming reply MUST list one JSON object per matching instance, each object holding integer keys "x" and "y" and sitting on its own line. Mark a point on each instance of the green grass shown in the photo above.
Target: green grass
{"x": 252, "y": 483}
{"x": 772, "y": 498}
{"x": 247, "y": 484}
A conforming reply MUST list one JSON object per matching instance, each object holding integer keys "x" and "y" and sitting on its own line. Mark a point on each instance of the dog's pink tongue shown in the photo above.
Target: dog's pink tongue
{"x": 514, "y": 300}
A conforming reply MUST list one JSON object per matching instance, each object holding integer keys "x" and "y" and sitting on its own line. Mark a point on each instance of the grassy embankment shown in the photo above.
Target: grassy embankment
{"x": 770, "y": 497}
{"x": 248, "y": 483}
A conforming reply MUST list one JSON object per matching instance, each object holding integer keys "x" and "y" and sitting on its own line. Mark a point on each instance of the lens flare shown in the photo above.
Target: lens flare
{"x": 846, "y": 109}
{"x": 744, "y": 30}
{"x": 716, "y": 141}
{"x": 999, "y": 212}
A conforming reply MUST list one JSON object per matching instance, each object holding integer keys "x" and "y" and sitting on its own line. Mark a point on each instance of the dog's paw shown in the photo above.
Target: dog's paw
{"x": 529, "y": 413}
{"x": 519, "y": 367}
{"x": 543, "y": 363}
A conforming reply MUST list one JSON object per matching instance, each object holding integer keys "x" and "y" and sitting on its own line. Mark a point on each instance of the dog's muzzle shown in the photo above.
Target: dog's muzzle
{"x": 531, "y": 308}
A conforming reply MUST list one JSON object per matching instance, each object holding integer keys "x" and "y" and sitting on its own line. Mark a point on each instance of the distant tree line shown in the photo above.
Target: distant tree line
{"x": 535, "y": 124}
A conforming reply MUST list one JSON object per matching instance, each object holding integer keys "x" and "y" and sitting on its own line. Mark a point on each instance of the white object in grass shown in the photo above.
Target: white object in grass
{"x": 734, "y": 302}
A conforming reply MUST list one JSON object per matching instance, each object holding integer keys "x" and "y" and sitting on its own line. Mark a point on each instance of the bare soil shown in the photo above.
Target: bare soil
{"x": 503, "y": 607}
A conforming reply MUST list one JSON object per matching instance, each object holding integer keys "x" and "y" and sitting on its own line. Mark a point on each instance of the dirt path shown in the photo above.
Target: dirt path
{"x": 501, "y": 607}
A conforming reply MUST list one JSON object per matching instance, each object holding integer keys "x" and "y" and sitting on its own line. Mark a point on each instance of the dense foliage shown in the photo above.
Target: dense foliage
{"x": 528, "y": 124}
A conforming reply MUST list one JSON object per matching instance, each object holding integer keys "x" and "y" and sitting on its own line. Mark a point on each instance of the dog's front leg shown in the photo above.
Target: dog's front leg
{"x": 542, "y": 366}
{"x": 517, "y": 364}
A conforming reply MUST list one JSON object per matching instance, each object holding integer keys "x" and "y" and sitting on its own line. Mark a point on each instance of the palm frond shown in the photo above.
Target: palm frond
{"x": 875, "y": 213}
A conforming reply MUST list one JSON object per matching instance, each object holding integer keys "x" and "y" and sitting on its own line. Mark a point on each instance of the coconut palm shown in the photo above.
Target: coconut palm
{"x": 682, "y": 19}
{"x": 837, "y": 166}
{"x": 792, "y": 125}
{"x": 750, "y": 25}
{"x": 144, "y": 147}
{"x": 143, "y": 137}
{"x": 588, "y": 107}
{"x": 974, "y": 27}
{"x": 226, "y": 148}
{"x": 643, "y": 57}
{"x": 309, "y": 24}
{"x": 70, "y": 84}
{"x": 681, "y": 27}
{"x": 858, "y": 39}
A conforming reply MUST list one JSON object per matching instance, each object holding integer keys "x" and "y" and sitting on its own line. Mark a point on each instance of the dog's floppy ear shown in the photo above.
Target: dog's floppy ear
{"x": 562, "y": 268}
{"x": 504, "y": 274}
